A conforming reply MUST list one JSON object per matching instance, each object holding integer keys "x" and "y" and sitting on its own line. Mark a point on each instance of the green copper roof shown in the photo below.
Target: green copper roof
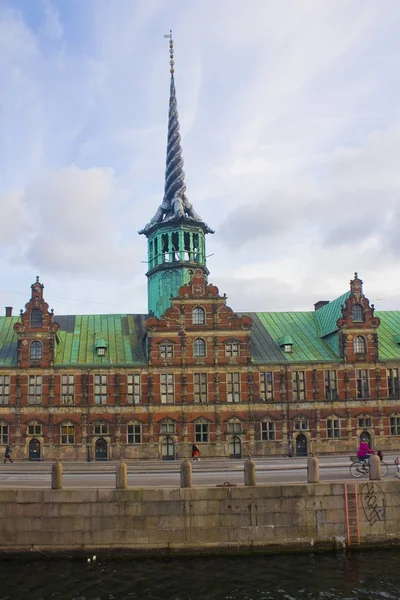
{"x": 8, "y": 341}
{"x": 388, "y": 334}
{"x": 327, "y": 316}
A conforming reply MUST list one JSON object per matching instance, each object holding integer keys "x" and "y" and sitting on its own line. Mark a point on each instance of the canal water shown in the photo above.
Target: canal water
{"x": 368, "y": 575}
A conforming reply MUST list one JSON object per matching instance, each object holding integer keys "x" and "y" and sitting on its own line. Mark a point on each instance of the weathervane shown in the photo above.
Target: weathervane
{"x": 171, "y": 51}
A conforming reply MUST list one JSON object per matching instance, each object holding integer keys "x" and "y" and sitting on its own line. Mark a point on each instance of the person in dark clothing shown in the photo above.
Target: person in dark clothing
{"x": 7, "y": 454}
{"x": 195, "y": 452}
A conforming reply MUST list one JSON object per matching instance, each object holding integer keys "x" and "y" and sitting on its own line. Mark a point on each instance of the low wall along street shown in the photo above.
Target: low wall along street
{"x": 200, "y": 519}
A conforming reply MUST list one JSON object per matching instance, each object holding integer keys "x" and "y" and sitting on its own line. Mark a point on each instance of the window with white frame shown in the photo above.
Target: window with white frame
{"x": 4, "y": 431}
{"x": 333, "y": 428}
{"x": 168, "y": 428}
{"x": 362, "y": 383}
{"x": 134, "y": 433}
{"x": 35, "y": 389}
{"x": 67, "y": 434}
{"x": 331, "y": 389}
{"x": 166, "y": 350}
{"x": 357, "y": 313}
{"x": 36, "y": 318}
{"x": 233, "y": 387}
{"x": 67, "y": 389}
{"x": 4, "y": 389}
{"x": 266, "y": 386}
{"x": 268, "y": 430}
{"x": 199, "y": 347}
{"x": 100, "y": 389}
{"x": 200, "y": 387}
{"x": 198, "y": 316}
{"x": 393, "y": 383}
{"x": 167, "y": 388}
{"x": 100, "y": 428}
{"x": 234, "y": 427}
{"x": 36, "y": 350}
{"x": 395, "y": 425}
{"x": 299, "y": 385}
{"x": 301, "y": 424}
{"x": 133, "y": 388}
{"x": 201, "y": 432}
{"x": 365, "y": 422}
{"x": 360, "y": 346}
{"x": 232, "y": 349}
{"x": 34, "y": 429}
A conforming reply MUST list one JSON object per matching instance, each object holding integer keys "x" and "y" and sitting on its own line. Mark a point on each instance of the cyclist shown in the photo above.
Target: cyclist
{"x": 364, "y": 452}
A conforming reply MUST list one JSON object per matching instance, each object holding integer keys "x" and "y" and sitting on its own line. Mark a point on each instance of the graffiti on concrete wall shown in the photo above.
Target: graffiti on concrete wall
{"x": 373, "y": 502}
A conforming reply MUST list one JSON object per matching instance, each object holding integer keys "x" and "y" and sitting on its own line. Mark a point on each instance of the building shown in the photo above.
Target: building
{"x": 98, "y": 387}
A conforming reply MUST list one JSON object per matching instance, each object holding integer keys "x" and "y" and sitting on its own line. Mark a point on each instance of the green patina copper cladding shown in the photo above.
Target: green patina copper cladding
{"x": 174, "y": 250}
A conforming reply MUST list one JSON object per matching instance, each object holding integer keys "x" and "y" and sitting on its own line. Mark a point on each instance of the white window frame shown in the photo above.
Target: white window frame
{"x": 233, "y": 387}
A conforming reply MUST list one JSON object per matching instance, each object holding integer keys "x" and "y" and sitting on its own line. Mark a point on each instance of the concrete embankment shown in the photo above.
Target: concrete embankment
{"x": 273, "y": 517}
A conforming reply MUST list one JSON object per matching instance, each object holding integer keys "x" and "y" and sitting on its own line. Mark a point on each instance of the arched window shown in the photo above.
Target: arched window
{"x": 198, "y": 316}
{"x": 199, "y": 347}
{"x": 357, "y": 313}
{"x": 359, "y": 345}
{"x": 36, "y": 318}
{"x": 36, "y": 350}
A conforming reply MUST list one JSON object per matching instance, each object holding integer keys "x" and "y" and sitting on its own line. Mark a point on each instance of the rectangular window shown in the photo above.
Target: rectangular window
{"x": 168, "y": 428}
{"x": 167, "y": 388}
{"x": 299, "y": 385}
{"x": 4, "y": 389}
{"x": 100, "y": 429}
{"x": 35, "y": 389}
{"x": 362, "y": 383}
{"x": 301, "y": 424}
{"x": 34, "y": 430}
{"x": 395, "y": 425}
{"x": 234, "y": 427}
{"x": 232, "y": 349}
{"x": 134, "y": 434}
{"x": 393, "y": 383}
{"x": 67, "y": 389}
{"x": 331, "y": 390}
{"x": 200, "y": 387}
{"x": 201, "y": 432}
{"x": 333, "y": 428}
{"x": 365, "y": 422}
{"x": 233, "y": 387}
{"x": 266, "y": 386}
{"x": 4, "y": 433}
{"x": 166, "y": 350}
{"x": 133, "y": 389}
{"x": 67, "y": 434}
{"x": 268, "y": 430}
{"x": 100, "y": 389}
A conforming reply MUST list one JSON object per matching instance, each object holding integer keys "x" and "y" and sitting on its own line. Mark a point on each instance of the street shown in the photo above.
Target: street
{"x": 210, "y": 472}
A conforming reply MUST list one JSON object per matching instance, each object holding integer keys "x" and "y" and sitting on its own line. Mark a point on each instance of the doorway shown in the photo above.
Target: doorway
{"x": 301, "y": 445}
{"x": 168, "y": 449}
{"x": 101, "y": 449}
{"x": 34, "y": 449}
{"x": 235, "y": 447}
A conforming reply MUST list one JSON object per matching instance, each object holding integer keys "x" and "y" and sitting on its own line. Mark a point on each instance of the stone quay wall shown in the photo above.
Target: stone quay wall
{"x": 273, "y": 517}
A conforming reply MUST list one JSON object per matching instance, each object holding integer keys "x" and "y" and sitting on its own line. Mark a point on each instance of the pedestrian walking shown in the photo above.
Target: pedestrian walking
{"x": 195, "y": 452}
{"x": 7, "y": 454}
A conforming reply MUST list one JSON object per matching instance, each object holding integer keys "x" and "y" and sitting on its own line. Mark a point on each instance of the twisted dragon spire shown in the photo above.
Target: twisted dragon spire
{"x": 175, "y": 204}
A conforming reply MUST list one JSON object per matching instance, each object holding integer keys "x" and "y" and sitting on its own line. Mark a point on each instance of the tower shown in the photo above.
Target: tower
{"x": 176, "y": 234}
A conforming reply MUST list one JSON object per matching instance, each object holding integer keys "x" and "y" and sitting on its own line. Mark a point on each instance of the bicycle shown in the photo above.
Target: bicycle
{"x": 360, "y": 467}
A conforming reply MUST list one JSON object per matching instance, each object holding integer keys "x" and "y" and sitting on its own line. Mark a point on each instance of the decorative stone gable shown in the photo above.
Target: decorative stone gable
{"x": 358, "y": 326}
{"x": 36, "y": 331}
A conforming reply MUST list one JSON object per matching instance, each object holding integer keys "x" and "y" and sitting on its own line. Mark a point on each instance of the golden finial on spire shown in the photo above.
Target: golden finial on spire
{"x": 171, "y": 51}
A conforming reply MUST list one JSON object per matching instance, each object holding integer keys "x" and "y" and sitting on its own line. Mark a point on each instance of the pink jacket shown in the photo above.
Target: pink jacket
{"x": 364, "y": 449}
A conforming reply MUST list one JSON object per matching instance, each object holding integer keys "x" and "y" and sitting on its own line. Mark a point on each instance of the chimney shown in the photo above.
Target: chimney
{"x": 9, "y": 311}
{"x": 320, "y": 304}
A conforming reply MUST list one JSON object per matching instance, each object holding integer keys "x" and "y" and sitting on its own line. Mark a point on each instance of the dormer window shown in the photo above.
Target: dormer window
{"x": 232, "y": 349}
{"x": 36, "y": 318}
{"x": 198, "y": 316}
{"x": 360, "y": 346}
{"x": 287, "y": 347}
{"x": 36, "y": 350}
{"x": 357, "y": 313}
{"x": 286, "y": 344}
{"x": 101, "y": 347}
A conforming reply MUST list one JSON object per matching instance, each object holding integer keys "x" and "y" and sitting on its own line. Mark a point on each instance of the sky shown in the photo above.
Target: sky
{"x": 290, "y": 122}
